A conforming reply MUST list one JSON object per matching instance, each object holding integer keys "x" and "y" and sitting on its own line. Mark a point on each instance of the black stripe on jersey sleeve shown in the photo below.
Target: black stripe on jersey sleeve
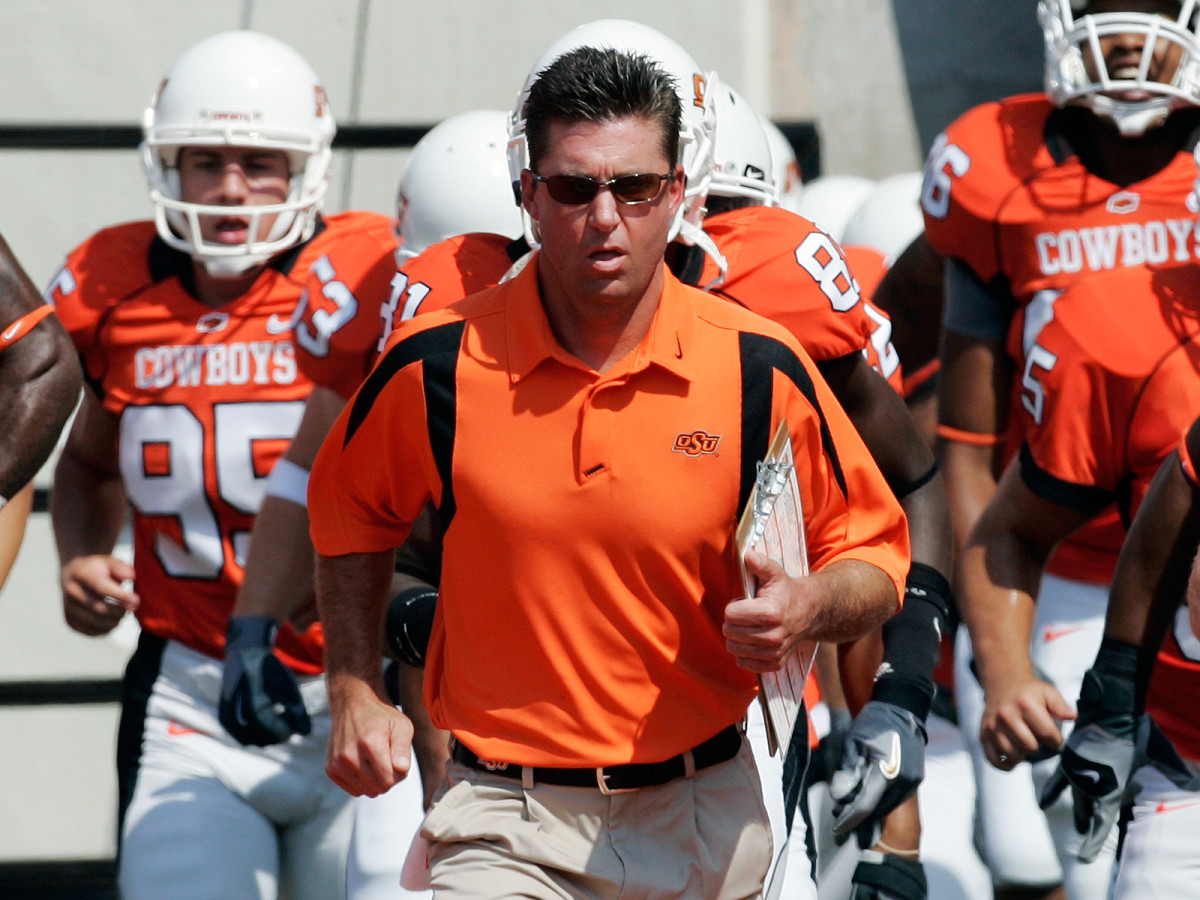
{"x": 437, "y": 348}
{"x": 1086, "y": 499}
{"x": 761, "y": 356}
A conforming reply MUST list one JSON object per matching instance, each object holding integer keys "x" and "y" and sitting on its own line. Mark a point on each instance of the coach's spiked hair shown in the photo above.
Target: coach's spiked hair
{"x": 592, "y": 84}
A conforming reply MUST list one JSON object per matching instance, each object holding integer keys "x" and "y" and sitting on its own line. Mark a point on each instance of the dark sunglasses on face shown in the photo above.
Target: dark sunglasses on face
{"x": 575, "y": 190}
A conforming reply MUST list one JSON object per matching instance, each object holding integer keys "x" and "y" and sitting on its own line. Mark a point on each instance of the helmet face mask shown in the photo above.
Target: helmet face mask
{"x": 1129, "y": 93}
{"x": 238, "y": 89}
{"x": 694, "y": 87}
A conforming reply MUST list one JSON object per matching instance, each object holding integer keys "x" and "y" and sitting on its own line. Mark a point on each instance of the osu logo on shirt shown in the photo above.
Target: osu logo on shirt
{"x": 696, "y": 443}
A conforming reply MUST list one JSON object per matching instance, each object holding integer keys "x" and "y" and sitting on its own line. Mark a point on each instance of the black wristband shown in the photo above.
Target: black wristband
{"x": 409, "y": 623}
{"x": 1122, "y": 671}
{"x": 251, "y": 631}
{"x": 912, "y": 641}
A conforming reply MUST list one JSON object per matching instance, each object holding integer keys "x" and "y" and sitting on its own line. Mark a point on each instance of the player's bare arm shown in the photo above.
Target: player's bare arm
{"x": 1156, "y": 565}
{"x": 973, "y": 388}
{"x": 370, "y": 748}
{"x": 39, "y": 380}
{"x": 999, "y": 575}
{"x": 87, "y": 510}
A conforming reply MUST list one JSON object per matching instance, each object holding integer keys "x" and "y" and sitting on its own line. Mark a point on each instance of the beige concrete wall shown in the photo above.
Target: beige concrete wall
{"x": 402, "y": 61}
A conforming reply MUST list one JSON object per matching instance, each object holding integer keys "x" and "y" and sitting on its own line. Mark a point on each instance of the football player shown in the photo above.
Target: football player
{"x": 39, "y": 386}
{"x": 1113, "y": 380}
{"x": 183, "y": 326}
{"x": 1022, "y": 198}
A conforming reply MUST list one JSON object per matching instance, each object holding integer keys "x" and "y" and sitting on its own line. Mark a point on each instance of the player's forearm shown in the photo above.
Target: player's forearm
{"x": 351, "y": 593}
{"x": 1153, "y": 570}
{"x": 970, "y": 485}
{"x": 996, "y": 591}
{"x": 87, "y": 509}
{"x": 280, "y": 563}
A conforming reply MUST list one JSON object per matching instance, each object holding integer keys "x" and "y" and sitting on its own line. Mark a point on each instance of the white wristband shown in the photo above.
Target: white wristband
{"x": 288, "y": 481}
{"x": 2, "y": 502}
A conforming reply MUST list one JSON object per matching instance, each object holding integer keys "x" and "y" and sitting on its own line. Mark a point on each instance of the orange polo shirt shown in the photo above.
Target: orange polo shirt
{"x": 588, "y": 553}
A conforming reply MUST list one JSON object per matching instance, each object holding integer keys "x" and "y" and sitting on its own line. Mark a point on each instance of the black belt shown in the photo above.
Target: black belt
{"x": 615, "y": 779}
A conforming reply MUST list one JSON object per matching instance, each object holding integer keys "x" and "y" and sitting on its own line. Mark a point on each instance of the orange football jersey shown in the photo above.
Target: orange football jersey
{"x": 1004, "y": 194}
{"x": 352, "y": 334}
{"x": 1112, "y": 378}
{"x": 208, "y": 399}
{"x": 785, "y": 268}
{"x": 340, "y": 322}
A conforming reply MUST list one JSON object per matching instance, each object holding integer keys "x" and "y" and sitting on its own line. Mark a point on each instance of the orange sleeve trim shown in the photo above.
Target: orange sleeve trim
{"x": 920, "y": 376}
{"x": 1185, "y": 462}
{"x": 22, "y": 326}
{"x": 969, "y": 437}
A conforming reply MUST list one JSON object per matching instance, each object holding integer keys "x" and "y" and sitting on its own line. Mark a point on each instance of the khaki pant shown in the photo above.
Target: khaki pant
{"x": 700, "y": 838}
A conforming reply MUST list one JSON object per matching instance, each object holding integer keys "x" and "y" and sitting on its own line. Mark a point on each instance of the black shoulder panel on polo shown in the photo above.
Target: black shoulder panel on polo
{"x": 437, "y": 348}
{"x": 1086, "y": 499}
{"x": 761, "y": 357}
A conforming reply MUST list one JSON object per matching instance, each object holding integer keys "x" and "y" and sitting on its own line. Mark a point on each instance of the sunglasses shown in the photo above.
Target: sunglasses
{"x": 575, "y": 190}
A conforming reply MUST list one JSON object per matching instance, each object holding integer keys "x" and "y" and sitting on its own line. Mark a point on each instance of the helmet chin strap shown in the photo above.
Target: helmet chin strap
{"x": 690, "y": 233}
{"x": 1133, "y": 119}
{"x": 230, "y": 266}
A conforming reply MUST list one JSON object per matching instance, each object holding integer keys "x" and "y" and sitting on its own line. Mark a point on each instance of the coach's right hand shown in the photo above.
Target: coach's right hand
{"x": 370, "y": 746}
{"x": 94, "y": 594}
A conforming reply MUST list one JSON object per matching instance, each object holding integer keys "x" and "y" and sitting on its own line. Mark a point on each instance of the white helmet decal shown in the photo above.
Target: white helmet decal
{"x": 743, "y": 163}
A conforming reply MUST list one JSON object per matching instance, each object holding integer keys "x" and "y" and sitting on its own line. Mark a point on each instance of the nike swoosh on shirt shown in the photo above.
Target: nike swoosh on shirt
{"x": 890, "y": 767}
{"x": 1089, "y": 775}
{"x": 1053, "y": 634}
{"x": 175, "y": 729}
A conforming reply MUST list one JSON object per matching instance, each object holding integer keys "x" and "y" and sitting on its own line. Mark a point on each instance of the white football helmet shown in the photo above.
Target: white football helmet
{"x": 693, "y": 85}
{"x": 238, "y": 89}
{"x": 456, "y": 182}
{"x": 830, "y": 201}
{"x": 743, "y": 165}
{"x": 785, "y": 166}
{"x": 1128, "y": 95}
{"x": 889, "y": 217}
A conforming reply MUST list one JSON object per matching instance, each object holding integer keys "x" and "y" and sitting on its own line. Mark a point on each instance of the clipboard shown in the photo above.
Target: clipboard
{"x": 772, "y": 523}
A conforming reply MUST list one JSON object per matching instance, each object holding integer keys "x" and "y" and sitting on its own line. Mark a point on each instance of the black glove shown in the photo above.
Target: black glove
{"x": 883, "y": 761}
{"x": 409, "y": 623}
{"x": 260, "y": 700}
{"x": 1097, "y": 760}
{"x": 825, "y": 758}
{"x": 883, "y": 876}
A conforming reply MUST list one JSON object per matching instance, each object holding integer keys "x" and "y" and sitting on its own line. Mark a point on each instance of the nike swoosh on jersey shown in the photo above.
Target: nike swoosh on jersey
{"x": 1089, "y": 775}
{"x": 277, "y": 324}
{"x": 175, "y": 729}
{"x": 890, "y": 767}
{"x": 1053, "y": 634}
